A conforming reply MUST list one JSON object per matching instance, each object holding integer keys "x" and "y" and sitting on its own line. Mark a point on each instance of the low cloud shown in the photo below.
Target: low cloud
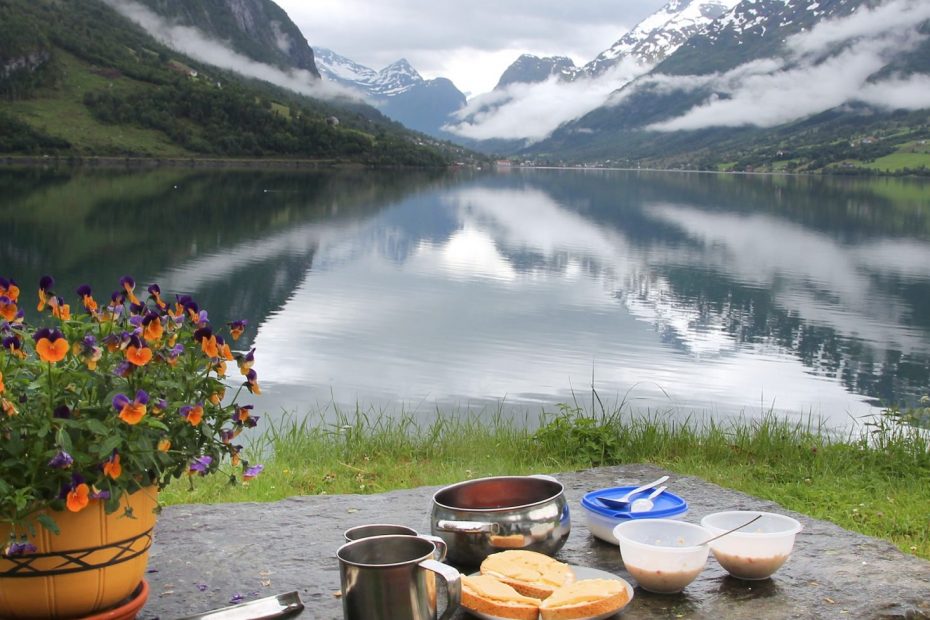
{"x": 775, "y": 91}
{"x": 533, "y": 111}
{"x": 196, "y": 44}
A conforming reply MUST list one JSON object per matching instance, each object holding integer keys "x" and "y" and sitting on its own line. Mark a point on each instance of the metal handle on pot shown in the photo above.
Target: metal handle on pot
{"x": 467, "y": 527}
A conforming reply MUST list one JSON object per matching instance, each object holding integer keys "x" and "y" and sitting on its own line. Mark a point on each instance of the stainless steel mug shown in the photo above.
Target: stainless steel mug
{"x": 387, "y": 529}
{"x": 394, "y": 578}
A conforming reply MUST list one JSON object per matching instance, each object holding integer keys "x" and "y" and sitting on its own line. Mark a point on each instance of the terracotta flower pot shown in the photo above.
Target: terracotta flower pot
{"x": 96, "y": 562}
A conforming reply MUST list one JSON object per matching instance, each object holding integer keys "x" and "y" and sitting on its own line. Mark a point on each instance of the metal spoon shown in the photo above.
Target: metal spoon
{"x": 620, "y": 503}
{"x": 645, "y": 504}
{"x": 738, "y": 527}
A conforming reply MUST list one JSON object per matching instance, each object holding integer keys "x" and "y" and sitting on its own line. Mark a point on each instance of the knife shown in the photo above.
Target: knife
{"x": 278, "y": 606}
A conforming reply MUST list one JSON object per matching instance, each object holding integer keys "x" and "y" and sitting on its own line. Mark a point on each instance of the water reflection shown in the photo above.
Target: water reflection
{"x": 711, "y": 292}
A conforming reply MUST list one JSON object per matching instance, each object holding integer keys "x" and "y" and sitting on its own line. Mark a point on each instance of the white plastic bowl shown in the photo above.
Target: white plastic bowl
{"x": 663, "y": 555}
{"x": 757, "y": 551}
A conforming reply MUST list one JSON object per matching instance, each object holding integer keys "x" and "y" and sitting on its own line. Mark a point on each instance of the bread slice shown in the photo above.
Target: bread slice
{"x": 485, "y": 594}
{"x": 585, "y": 598}
{"x": 528, "y": 572}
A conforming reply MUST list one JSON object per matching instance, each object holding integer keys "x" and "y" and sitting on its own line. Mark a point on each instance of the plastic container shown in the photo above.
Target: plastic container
{"x": 757, "y": 551}
{"x": 662, "y": 555}
{"x": 602, "y": 520}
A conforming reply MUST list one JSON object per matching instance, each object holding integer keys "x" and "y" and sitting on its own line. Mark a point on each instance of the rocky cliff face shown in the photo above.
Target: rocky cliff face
{"x": 530, "y": 69}
{"x": 259, "y": 29}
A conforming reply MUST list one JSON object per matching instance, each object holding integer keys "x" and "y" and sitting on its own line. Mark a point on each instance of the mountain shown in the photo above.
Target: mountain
{"x": 398, "y": 90}
{"x": 81, "y": 79}
{"x": 258, "y": 29}
{"x": 772, "y": 85}
{"x": 662, "y": 33}
{"x": 529, "y": 69}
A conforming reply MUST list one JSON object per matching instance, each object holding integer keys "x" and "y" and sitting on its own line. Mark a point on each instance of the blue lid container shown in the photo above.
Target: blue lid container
{"x": 602, "y": 519}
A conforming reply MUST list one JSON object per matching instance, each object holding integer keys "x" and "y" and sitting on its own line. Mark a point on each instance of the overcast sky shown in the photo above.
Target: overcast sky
{"x": 469, "y": 42}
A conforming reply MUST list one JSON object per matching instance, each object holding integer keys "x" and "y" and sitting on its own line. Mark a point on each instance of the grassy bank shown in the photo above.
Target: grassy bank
{"x": 874, "y": 481}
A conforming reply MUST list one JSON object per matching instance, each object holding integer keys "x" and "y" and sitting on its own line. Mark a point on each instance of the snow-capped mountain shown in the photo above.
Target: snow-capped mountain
{"x": 663, "y": 32}
{"x": 398, "y": 90}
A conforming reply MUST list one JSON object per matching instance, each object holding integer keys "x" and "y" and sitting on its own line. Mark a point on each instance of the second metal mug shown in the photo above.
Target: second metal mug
{"x": 394, "y": 578}
{"x": 389, "y": 529}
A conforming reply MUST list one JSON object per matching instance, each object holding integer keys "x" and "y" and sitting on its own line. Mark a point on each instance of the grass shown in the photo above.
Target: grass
{"x": 61, "y": 112}
{"x": 873, "y": 480}
{"x": 899, "y": 161}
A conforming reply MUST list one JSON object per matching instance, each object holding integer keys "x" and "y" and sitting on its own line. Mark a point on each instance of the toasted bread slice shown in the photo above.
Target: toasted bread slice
{"x": 585, "y": 598}
{"x": 487, "y": 595}
{"x": 528, "y": 572}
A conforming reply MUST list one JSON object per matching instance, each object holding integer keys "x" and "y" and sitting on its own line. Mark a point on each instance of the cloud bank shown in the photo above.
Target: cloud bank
{"x": 196, "y": 44}
{"x": 826, "y": 67}
{"x": 533, "y": 111}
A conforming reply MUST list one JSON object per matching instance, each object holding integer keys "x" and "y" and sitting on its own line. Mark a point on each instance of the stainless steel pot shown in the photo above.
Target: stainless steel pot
{"x": 479, "y": 517}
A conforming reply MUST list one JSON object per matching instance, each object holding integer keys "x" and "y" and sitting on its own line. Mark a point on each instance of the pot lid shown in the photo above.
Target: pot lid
{"x": 665, "y": 505}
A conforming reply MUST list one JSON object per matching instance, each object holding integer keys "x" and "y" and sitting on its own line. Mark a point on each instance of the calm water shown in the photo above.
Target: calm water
{"x": 676, "y": 292}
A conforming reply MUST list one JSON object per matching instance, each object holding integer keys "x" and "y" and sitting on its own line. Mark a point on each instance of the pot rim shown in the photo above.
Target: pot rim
{"x": 561, "y": 492}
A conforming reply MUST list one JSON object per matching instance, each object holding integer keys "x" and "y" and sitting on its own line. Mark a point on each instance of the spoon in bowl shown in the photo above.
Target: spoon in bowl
{"x": 738, "y": 527}
{"x": 645, "y": 504}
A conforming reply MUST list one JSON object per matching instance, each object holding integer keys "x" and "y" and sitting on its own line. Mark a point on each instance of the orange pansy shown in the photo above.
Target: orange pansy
{"x": 140, "y": 356}
{"x": 209, "y": 346}
{"x": 78, "y": 498}
{"x": 52, "y": 351}
{"x": 112, "y": 467}
{"x": 132, "y": 413}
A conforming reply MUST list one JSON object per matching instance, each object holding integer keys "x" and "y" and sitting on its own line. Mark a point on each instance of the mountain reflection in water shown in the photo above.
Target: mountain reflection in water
{"x": 678, "y": 292}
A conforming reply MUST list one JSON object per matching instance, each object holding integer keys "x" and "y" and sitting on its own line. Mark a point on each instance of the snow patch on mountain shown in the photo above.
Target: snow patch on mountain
{"x": 663, "y": 32}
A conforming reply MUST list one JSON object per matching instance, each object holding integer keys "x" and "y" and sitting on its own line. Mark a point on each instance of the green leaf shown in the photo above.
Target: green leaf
{"x": 49, "y": 524}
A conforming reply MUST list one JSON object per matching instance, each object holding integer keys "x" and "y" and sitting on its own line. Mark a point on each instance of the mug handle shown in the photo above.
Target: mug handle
{"x": 453, "y": 585}
{"x": 441, "y": 546}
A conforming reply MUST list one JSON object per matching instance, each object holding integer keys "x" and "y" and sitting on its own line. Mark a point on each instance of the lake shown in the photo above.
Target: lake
{"x": 674, "y": 293}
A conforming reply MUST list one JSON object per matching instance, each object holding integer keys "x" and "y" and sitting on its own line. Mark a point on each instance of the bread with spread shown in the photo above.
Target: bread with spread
{"x": 528, "y": 572}
{"x": 585, "y": 598}
{"x": 486, "y": 595}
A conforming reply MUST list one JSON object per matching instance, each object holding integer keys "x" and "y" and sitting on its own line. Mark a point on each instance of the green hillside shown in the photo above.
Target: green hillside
{"x": 78, "y": 79}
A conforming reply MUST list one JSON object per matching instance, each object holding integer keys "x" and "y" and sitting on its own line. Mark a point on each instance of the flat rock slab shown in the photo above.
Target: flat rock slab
{"x": 206, "y": 555}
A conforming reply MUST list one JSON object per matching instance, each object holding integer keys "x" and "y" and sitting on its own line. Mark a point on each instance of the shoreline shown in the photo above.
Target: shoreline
{"x": 143, "y": 163}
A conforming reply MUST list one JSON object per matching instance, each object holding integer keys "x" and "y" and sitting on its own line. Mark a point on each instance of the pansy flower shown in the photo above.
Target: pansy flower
{"x": 217, "y": 397}
{"x": 252, "y": 471}
{"x": 152, "y": 328}
{"x": 19, "y": 548}
{"x": 2, "y": 387}
{"x": 242, "y": 416}
{"x": 236, "y": 328}
{"x": 112, "y": 467}
{"x": 7, "y": 407}
{"x": 96, "y": 493}
{"x": 87, "y": 298}
{"x": 9, "y": 289}
{"x": 251, "y": 385}
{"x": 223, "y": 349}
{"x": 164, "y": 444}
{"x": 62, "y": 460}
{"x": 155, "y": 295}
{"x": 62, "y": 412}
{"x": 246, "y": 361}
{"x": 174, "y": 353}
{"x": 88, "y": 350}
{"x": 129, "y": 286}
{"x": 159, "y": 406}
{"x": 50, "y": 345}
{"x": 78, "y": 497}
{"x": 14, "y": 345}
{"x": 207, "y": 340}
{"x": 45, "y": 291}
{"x": 131, "y": 411}
{"x": 137, "y": 353}
{"x": 123, "y": 369}
{"x": 200, "y": 465}
{"x": 8, "y": 309}
{"x": 192, "y": 413}
{"x": 60, "y": 310}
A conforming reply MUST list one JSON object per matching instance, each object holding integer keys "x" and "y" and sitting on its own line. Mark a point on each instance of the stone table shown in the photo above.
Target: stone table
{"x": 204, "y": 555}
